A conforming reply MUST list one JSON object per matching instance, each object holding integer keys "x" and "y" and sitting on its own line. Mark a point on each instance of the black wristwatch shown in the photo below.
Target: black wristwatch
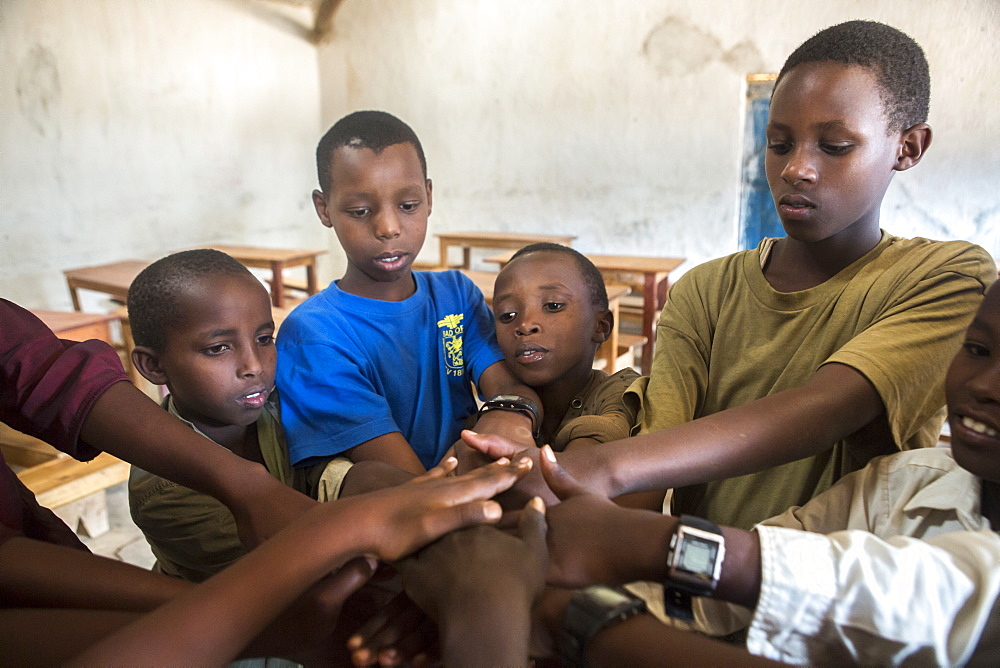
{"x": 693, "y": 565}
{"x": 516, "y": 404}
{"x": 590, "y": 610}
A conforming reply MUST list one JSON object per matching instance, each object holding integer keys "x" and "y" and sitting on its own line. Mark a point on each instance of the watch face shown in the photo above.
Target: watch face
{"x": 697, "y": 555}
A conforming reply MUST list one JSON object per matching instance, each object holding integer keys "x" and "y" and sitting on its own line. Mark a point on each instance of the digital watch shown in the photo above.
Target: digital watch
{"x": 693, "y": 565}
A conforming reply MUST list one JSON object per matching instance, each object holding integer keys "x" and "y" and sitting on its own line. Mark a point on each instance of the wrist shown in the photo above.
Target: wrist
{"x": 499, "y": 622}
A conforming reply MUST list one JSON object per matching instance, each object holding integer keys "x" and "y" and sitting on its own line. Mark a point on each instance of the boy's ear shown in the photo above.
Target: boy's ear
{"x": 604, "y": 322}
{"x": 430, "y": 196}
{"x": 147, "y": 361}
{"x": 913, "y": 143}
{"x": 320, "y": 203}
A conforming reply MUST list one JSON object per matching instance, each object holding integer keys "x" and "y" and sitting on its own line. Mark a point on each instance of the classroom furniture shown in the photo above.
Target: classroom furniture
{"x": 112, "y": 278}
{"x": 73, "y": 490}
{"x": 277, "y": 260}
{"x": 76, "y": 326}
{"x": 494, "y": 240}
{"x": 654, "y": 281}
{"x": 609, "y": 350}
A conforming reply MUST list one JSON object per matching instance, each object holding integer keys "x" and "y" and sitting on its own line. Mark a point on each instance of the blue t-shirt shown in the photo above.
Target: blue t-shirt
{"x": 352, "y": 368}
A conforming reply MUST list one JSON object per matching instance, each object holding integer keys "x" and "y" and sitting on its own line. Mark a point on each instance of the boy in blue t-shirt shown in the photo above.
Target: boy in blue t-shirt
{"x": 380, "y": 365}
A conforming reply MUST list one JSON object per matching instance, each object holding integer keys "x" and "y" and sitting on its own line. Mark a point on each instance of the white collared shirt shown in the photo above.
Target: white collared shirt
{"x": 893, "y": 564}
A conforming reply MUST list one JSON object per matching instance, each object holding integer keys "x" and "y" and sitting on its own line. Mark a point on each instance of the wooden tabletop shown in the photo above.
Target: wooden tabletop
{"x": 64, "y": 321}
{"x": 112, "y": 278}
{"x": 248, "y": 254}
{"x": 505, "y": 238}
{"x": 624, "y": 263}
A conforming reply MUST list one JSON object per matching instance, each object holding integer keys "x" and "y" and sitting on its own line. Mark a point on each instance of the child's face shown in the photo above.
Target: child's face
{"x": 547, "y": 326}
{"x": 830, "y": 156}
{"x": 378, "y": 204}
{"x": 973, "y": 391}
{"x": 219, "y": 360}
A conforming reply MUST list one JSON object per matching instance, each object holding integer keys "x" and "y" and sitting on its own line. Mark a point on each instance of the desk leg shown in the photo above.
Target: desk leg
{"x": 648, "y": 312}
{"x": 466, "y": 257}
{"x": 610, "y": 347}
{"x": 312, "y": 285}
{"x": 444, "y": 254}
{"x": 278, "y": 285}
{"x": 74, "y": 295}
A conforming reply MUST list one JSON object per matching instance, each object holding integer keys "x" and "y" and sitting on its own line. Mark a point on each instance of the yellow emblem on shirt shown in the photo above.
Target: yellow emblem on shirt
{"x": 451, "y": 337}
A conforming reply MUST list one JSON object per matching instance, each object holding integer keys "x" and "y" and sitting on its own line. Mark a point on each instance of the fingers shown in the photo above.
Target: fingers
{"x": 487, "y": 481}
{"x": 444, "y": 467}
{"x": 343, "y": 583}
{"x": 532, "y": 527}
{"x": 390, "y": 633}
{"x": 491, "y": 445}
{"x": 557, "y": 478}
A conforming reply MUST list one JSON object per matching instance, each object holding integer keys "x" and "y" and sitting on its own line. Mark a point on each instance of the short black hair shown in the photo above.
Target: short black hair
{"x": 154, "y": 296}
{"x": 374, "y": 130}
{"x": 591, "y": 274}
{"x": 897, "y": 61}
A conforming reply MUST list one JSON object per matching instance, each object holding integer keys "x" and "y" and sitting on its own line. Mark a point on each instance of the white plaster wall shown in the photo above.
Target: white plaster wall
{"x": 132, "y": 128}
{"x": 619, "y": 120}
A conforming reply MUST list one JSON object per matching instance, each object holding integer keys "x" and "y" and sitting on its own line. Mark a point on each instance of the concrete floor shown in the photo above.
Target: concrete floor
{"x": 124, "y": 541}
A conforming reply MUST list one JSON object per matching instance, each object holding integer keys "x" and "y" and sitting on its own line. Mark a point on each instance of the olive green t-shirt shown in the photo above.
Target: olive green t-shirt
{"x": 726, "y": 338}
{"x": 600, "y": 411}
{"x": 193, "y": 535}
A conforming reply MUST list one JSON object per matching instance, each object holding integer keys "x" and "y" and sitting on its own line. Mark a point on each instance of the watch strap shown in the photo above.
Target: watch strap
{"x": 590, "y": 610}
{"x": 516, "y": 404}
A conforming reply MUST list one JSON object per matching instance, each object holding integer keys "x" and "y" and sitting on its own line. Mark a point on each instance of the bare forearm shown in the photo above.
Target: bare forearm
{"x": 222, "y": 615}
{"x": 34, "y": 574}
{"x": 645, "y": 641}
{"x": 369, "y": 476}
{"x": 493, "y": 630}
{"x": 773, "y": 430}
{"x": 129, "y": 425}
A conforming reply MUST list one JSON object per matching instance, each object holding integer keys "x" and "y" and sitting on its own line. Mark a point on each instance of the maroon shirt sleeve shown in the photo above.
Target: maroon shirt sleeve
{"x": 48, "y": 386}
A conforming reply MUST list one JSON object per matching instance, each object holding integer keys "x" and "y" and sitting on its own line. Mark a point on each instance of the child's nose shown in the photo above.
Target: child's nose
{"x": 985, "y": 386}
{"x": 799, "y": 167}
{"x": 386, "y": 225}
{"x": 527, "y": 327}
{"x": 251, "y": 364}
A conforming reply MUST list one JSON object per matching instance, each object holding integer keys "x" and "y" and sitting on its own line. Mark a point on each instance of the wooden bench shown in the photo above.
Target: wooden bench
{"x": 73, "y": 490}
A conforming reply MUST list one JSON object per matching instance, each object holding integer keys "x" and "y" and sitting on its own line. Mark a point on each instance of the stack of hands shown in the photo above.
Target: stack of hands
{"x": 500, "y": 591}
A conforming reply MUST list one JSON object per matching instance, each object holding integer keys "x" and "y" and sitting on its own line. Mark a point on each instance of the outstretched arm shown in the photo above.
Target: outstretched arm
{"x": 783, "y": 427}
{"x": 219, "y": 617}
{"x": 592, "y": 540}
{"x": 129, "y": 425}
{"x": 479, "y": 585}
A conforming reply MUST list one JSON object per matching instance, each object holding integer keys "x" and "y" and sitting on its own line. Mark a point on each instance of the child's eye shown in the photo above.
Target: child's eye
{"x": 409, "y": 207}
{"x": 359, "y": 212}
{"x": 506, "y": 317}
{"x": 976, "y": 350}
{"x": 265, "y": 340}
{"x": 216, "y": 350}
{"x": 836, "y": 149}
{"x": 553, "y": 306}
{"x": 779, "y": 147}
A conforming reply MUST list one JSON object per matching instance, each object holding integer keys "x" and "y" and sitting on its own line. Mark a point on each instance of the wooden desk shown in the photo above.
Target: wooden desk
{"x": 655, "y": 272}
{"x": 277, "y": 260}
{"x": 113, "y": 279}
{"x": 484, "y": 280}
{"x": 76, "y": 326}
{"x": 513, "y": 240}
